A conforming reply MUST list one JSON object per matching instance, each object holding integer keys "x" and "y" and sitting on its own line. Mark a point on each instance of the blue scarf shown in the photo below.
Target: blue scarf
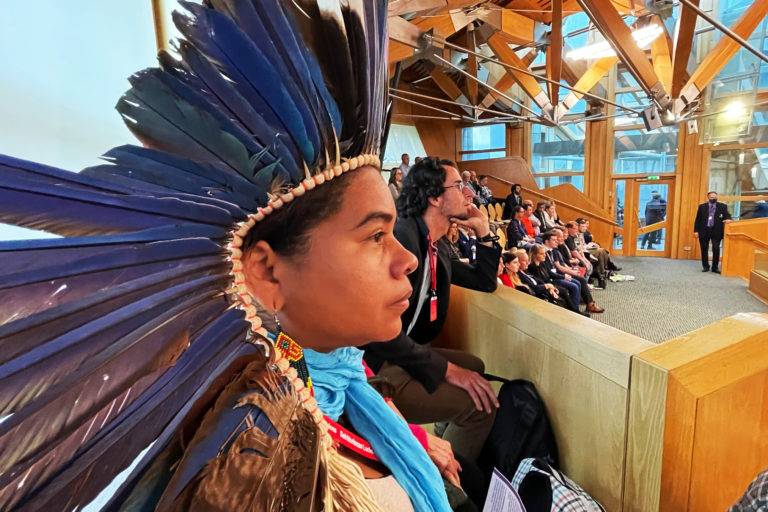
{"x": 340, "y": 386}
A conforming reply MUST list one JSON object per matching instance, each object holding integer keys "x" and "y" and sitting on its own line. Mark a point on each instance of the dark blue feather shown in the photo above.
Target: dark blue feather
{"x": 237, "y": 57}
{"x": 244, "y": 105}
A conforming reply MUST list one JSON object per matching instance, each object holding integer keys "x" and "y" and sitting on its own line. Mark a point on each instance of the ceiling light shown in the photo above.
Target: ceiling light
{"x": 643, "y": 38}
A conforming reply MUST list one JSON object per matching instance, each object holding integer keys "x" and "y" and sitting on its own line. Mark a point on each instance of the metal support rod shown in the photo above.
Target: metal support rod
{"x": 456, "y": 116}
{"x": 418, "y": 116}
{"x": 469, "y": 75}
{"x": 538, "y": 77}
{"x": 455, "y": 103}
{"x": 725, "y": 30}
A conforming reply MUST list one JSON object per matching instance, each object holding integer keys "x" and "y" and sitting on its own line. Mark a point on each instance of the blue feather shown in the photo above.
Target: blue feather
{"x": 244, "y": 62}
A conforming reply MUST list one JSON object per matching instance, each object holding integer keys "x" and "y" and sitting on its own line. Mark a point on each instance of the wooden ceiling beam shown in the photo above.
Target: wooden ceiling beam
{"x": 529, "y": 84}
{"x": 660, "y": 56}
{"x": 587, "y": 81}
{"x": 404, "y": 34}
{"x": 721, "y": 53}
{"x": 555, "y": 51}
{"x": 514, "y": 27}
{"x": 610, "y": 23}
{"x": 685, "y": 29}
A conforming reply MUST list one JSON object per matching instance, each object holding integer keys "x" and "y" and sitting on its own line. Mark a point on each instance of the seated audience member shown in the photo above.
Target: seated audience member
{"x": 539, "y": 214}
{"x": 468, "y": 244}
{"x": 602, "y": 255}
{"x": 453, "y": 243}
{"x": 584, "y": 259}
{"x": 512, "y": 200}
{"x": 529, "y": 217}
{"x": 417, "y": 160}
{"x": 555, "y": 260}
{"x": 431, "y": 385}
{"x": 395, "y": 182}
{"x": 540, "y": 289}
{"x": 485, "y": 192}
{"x": 543, "y": 269}
{"x": 561, "y": 247}
{"x": 517, "y": 236}
{"x": 510, "y": 268}
{"x": 550, "y": 217}
{"x": 466, "y": 187}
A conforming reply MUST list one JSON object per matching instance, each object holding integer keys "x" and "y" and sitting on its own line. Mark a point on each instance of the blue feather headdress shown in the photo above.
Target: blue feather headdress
{"x": 109, "y": 335}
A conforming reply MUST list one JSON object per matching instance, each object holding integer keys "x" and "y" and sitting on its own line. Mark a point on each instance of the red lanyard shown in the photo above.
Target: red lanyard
{"x": 349, "y": 439}
{"x": 432, "y": 251}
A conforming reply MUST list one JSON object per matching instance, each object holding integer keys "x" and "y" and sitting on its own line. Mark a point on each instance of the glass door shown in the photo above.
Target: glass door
{"x": 642, "y": 210}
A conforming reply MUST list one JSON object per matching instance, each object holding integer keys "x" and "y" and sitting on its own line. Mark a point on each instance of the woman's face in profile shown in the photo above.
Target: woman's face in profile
{"x": 350, "y": 286}
{"x": 399, "y": 176}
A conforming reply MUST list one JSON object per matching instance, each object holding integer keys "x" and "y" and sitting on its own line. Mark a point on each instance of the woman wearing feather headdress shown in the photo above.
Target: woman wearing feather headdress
{"x": 257, "y": 183}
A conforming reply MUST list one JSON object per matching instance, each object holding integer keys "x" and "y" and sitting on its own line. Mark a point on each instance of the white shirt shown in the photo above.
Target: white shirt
{"x": 404, "y": 168}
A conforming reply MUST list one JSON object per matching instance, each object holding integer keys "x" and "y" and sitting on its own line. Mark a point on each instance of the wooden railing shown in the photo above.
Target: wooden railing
{"x": 601, "y": 226}
{"x": 743, "y": 239}
{"x": 676, "y": 427}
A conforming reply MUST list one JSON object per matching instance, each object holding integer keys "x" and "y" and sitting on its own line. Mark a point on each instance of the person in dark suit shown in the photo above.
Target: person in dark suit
{"x": 655, "y": 211}
{"x": 709, "y": 225}
{"x": 430, "y": 385}
{"x": 545, "y": 272}
{"x": 517, "y": 235}
{"x": 512, "y": 200}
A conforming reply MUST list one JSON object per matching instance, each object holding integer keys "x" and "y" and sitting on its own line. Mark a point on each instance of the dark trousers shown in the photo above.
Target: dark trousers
{"x": 704, "y": 239}
{"x": 574, "y": 291}
{"x": 467, "y": 427}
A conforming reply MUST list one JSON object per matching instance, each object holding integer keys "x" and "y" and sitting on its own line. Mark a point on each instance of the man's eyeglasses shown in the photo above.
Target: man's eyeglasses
{"x": 460, "y": 185}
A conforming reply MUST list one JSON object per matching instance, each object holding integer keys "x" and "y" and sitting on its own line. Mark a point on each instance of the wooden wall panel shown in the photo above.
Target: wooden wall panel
{"x": 438, "y": 137}
{"x": 580, "y": 367}
{"x": 692, "y": 182}
{"x": 716, "y": 413}
{"x": 598, "y": 162}
{"x": 519, "y": 141}
{"x": 507, "y": 170}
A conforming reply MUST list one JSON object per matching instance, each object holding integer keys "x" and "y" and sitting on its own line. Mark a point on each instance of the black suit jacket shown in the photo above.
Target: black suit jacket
{"x": 510, "y": 202}
{"x": 702, "y": 215}
{"x": 407, "y": 351}
{"x": 535, "y": 284}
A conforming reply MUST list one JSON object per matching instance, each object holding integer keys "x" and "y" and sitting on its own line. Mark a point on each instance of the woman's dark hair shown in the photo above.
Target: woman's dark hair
{"x": 288, "y": 228}
{"x": 508, "y": 257}
{"x": 424, "y": 180}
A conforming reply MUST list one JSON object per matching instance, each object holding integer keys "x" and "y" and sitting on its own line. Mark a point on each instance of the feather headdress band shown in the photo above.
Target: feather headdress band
{"x": 110, "y": 335}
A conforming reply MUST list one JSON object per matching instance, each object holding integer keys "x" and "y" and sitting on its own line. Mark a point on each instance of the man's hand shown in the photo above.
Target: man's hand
{"x": 695, "y": 235}
{"x": 726, "y": 221}
{"x": 441, "y": 453}
{"x": 479, "y": 389}
{"x": 475, "y": 221}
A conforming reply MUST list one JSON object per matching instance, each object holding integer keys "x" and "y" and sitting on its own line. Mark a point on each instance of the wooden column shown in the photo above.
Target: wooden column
{"x": 692, "y": 182}
{"x": 519, "y": 141}
{"x": 598, "y": 161}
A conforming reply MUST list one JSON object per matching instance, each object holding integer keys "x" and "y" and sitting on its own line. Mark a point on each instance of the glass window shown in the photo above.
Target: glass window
{"x": 403, "y": 138}
{"x": 489, "y": 136}
{"x": 62, "y": 71}
{"x": 741, "y": 173}
{"x": 641, "y": 152}
{"x": 484, "y": 156}
{"x": 558, "y": 149}
{"x": 552, "y": 181}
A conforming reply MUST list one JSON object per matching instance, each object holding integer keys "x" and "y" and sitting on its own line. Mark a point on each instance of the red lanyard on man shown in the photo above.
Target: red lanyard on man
{"x": 432, "y": 251}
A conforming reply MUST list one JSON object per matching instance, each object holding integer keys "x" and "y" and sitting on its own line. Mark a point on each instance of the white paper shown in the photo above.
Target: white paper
{"x": 502, "y": 497}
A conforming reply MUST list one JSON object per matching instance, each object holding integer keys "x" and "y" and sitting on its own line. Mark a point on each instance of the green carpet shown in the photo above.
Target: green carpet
{"x": 669, "y": 298}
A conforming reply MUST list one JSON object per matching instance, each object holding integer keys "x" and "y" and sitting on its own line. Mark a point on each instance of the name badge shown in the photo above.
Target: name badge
{"x": 433, "y": 308}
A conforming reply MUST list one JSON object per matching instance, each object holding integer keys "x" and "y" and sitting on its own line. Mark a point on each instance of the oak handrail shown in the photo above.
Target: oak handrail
{"x": 752, "y": 239}
{"x": 579, "y": 209}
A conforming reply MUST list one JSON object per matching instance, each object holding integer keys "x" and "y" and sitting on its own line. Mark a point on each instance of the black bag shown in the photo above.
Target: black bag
{"x": 521, "y": 429}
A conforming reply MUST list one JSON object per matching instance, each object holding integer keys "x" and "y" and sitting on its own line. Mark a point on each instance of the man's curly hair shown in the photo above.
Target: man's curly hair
{"x": 424, "y": 180}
